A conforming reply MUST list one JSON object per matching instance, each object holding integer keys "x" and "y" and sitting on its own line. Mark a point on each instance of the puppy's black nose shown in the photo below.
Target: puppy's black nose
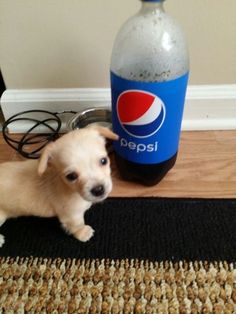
{"x": 97, "y": 190}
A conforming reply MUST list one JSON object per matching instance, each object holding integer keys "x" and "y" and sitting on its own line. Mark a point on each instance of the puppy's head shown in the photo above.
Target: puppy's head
{"x": 81, "y": 161}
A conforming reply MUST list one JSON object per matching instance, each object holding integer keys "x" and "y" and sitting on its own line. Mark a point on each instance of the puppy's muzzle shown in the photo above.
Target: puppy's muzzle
{"x": 98, "y": 190}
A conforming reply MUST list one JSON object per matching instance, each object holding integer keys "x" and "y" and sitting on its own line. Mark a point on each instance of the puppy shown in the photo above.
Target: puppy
{"x": 72, "y": 173}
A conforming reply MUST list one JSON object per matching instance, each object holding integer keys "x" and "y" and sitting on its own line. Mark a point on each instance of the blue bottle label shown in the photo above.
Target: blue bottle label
{"x": 147, "y": 117}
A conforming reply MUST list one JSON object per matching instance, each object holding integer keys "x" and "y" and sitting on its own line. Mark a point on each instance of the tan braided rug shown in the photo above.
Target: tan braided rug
{"x": 37, "y": 285}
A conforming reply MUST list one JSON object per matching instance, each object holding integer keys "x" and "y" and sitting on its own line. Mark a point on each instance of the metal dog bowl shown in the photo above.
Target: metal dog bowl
{"x": 100, "y": 115}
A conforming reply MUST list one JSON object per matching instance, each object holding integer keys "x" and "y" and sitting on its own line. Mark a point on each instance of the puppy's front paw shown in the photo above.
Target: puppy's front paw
{"x": 84, "y": 233}
{"x": 2, "y": 240}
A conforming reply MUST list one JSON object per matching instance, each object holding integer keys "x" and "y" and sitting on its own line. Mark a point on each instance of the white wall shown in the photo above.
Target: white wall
{"x": 67, "y": 43}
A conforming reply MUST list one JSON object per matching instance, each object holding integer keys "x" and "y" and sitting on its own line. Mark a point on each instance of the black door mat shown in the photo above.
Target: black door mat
{"x": 154, "y": 229}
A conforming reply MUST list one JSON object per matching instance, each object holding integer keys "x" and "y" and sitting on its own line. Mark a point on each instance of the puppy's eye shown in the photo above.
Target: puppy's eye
{"x": 72, "y": 176}
{"x": 103, "y": 161}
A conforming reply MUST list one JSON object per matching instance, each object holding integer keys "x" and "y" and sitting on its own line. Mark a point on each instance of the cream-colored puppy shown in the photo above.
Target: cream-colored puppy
{"x": 72, "y": 173}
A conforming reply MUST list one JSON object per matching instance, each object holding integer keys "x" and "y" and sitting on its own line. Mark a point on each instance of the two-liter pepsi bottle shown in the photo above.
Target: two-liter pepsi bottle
{"x": 149, "y": 75}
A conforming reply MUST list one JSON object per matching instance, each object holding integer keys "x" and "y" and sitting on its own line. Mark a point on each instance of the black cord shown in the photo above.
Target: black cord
{"x": 29, "y": 146}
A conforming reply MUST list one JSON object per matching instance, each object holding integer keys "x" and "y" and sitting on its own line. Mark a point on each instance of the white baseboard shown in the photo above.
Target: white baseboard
{"x": 208, "y": 107}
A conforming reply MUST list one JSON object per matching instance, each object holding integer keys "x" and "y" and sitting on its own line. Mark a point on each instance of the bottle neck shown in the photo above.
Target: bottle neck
{"x": 152, "y": 6}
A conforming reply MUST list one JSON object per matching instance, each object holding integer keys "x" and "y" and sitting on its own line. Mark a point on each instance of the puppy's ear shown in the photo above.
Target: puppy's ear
{"x": 45, "y": 158}
{"x": 107, "y": 133}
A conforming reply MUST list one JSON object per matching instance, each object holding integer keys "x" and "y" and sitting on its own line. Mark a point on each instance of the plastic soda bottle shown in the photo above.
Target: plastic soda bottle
{"x": 149, "y": 75}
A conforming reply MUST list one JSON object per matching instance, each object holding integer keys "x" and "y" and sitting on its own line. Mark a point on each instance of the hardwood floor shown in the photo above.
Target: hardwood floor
{"x": 205, "y": 168}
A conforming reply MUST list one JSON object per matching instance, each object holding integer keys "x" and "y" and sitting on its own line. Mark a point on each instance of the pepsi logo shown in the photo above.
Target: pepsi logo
{"x": 141, "y": 114}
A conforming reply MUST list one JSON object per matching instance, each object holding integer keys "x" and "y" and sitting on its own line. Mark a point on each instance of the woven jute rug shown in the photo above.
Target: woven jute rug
{"x": 147, "y": 256}
{"x": 34, "y": 285}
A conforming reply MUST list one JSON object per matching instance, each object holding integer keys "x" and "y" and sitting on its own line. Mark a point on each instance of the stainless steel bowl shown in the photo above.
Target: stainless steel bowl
{"x": 100, "y": 115}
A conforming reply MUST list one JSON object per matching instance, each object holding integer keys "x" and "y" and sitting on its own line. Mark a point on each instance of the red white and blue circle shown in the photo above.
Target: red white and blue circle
{"x": 140, "y": 113}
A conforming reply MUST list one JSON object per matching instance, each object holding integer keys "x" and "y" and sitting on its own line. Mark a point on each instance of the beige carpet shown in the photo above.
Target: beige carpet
{"x": 37, "y": 285}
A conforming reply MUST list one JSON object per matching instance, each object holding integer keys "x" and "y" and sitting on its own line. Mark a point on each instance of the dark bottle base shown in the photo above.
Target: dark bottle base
{"x": 146, "y": 174}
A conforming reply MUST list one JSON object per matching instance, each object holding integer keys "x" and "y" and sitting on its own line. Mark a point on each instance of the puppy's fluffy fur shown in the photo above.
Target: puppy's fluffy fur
{"x": 72, "y": 174}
